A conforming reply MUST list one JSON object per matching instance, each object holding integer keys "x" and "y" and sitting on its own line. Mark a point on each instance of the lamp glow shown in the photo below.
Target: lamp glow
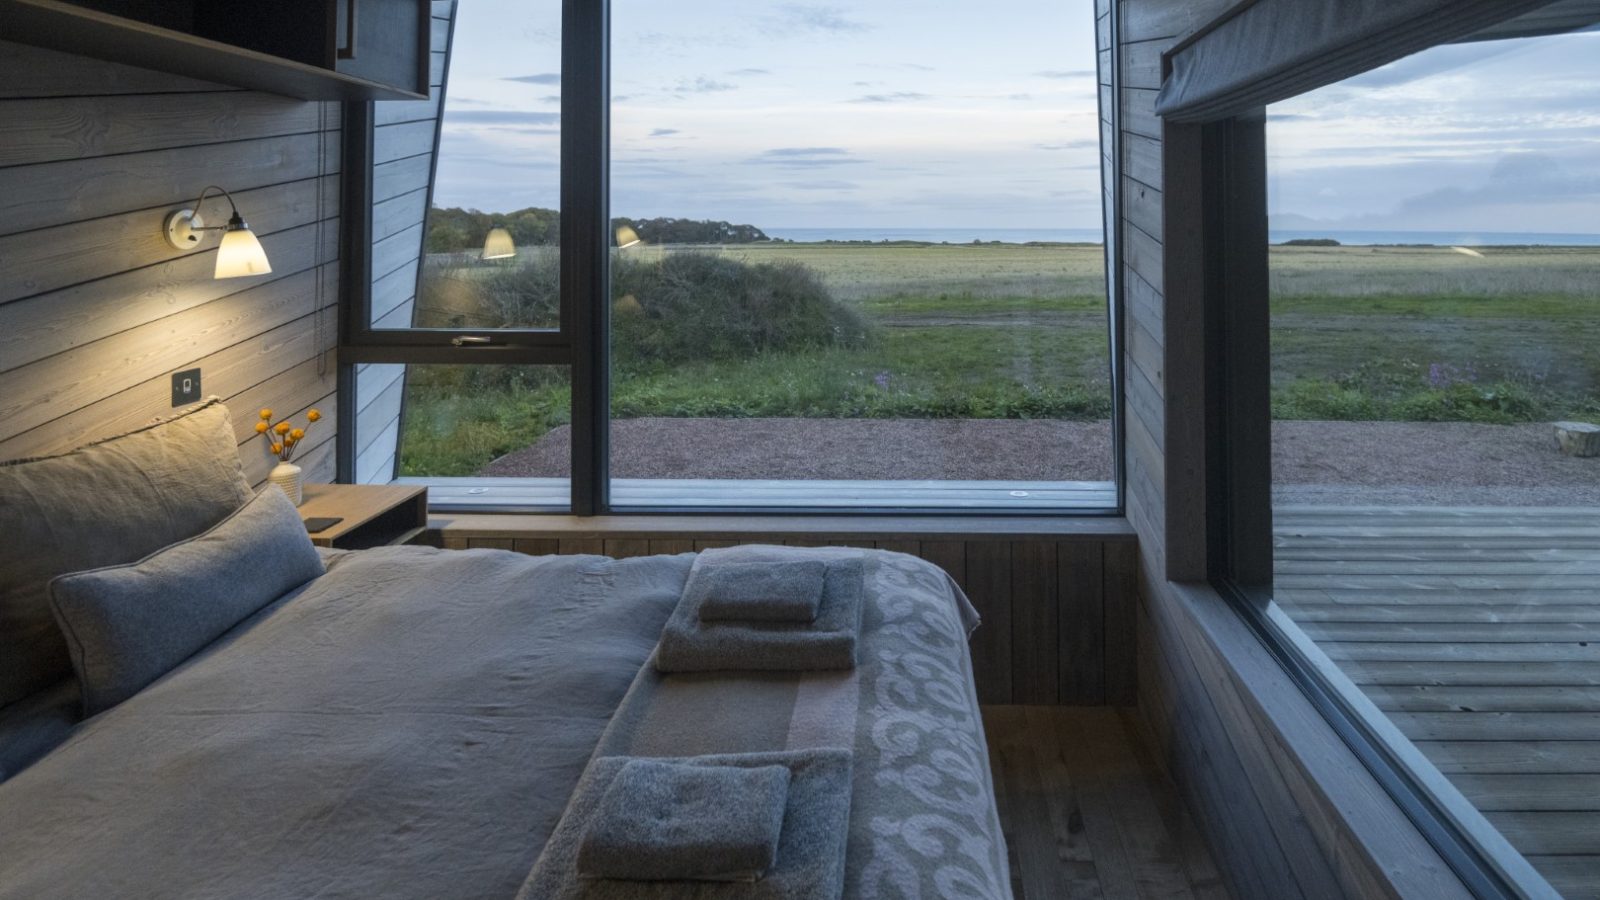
{"x": 498, "y": 245}
{"x": 240, "y": 253}
{"x": 627, "y": 237}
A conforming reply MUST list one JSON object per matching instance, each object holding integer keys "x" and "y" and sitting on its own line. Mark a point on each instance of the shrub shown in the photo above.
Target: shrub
{"x": 687, "y": 307}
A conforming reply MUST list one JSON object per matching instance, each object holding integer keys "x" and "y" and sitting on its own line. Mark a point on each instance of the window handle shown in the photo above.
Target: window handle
{"x": 470, "y": 340}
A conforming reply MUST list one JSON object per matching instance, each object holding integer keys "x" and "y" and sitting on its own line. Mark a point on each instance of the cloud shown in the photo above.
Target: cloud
{"x": 663, "y": 132}
{"x": 1066, "y": 73}
{"x": 806, "y": 157}
{"x": 1084, "y": 144}
{"x": 550, "y": 98}
{"x": 824, "y": 185}
{"x": 792, "y": 17}
{"x": 750, "y": 72}
{"x": 545, "y": 78}
{"x": 1423, "y": 65}
{"x": 896, "y": 97}
{"x": 703, "y": 85}
{"x": 500, "y": 117}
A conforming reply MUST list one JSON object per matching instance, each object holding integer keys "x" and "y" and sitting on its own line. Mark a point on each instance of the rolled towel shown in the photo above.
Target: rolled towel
{"x": 667, "y": 821}
{"x": 759, "y": 592}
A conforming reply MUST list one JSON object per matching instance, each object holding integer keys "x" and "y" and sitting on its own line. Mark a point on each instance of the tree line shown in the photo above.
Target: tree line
{"x": 455, "y": 230}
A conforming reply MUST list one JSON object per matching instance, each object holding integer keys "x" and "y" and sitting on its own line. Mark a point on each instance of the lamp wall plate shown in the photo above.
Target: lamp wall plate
{"x": 182, "y": 229}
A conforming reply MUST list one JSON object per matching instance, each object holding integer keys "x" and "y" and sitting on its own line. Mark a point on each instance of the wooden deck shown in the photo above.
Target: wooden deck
{"x": 1477, "y": 631}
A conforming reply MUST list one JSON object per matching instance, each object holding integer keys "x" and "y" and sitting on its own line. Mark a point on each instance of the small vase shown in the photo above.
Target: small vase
{"x": 287, "y": 476}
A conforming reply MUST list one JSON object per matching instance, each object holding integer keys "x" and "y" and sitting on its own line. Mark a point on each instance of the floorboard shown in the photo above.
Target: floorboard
{"x": 1087, "y": 814}
{"x": 1477, "y": 632}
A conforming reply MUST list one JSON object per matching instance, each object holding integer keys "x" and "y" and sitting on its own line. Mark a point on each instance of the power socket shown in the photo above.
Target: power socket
{"x": 186, "y": 387}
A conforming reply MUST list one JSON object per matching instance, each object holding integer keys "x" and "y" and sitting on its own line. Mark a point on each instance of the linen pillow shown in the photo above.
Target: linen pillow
{"x": 109, "y": 503}
{"x": 128, "y": 625}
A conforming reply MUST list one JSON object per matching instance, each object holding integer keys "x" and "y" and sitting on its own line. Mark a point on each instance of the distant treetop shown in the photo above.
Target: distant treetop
{"x": 454, "y": 230}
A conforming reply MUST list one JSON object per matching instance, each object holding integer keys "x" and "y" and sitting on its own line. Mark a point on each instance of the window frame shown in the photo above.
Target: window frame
{"x": 1219, "y": 515}
{"x": 582, "y": 340}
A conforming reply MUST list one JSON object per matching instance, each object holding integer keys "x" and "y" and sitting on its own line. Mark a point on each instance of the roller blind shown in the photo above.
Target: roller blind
{"x": 1270, "y": 50}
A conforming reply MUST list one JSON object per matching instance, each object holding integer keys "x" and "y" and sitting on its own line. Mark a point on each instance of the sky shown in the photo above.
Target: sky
{"x": 944, "y": 114}
{"x": 1494, "y": 136}
{"x": 881, "y": 113}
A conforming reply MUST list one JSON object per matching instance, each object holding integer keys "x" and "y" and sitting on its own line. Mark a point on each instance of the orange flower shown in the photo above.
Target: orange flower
{"x": 266, "y": 413}
{"x": 277, "y": 448}
{"x": 313, "y": 415}
{"x": 297, "y": 434}
{"x": 281, "y": 428}
{"x": 261, "y": 428}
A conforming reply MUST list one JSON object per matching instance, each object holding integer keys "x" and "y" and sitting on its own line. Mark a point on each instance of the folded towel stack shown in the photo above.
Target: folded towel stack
{"x": 682, "y": 829}
{"x": 766, "y": 608}
{"x": 662, "y": 820}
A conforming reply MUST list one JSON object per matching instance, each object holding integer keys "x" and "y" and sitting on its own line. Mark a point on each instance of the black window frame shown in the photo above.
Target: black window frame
{"x": 581, "y": 342}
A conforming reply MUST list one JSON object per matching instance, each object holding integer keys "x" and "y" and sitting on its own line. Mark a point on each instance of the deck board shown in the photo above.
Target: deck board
{"x": 1477, "y": 631}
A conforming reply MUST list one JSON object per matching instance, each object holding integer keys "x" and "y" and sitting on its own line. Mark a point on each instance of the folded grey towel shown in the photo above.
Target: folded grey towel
{"x": 828, "y": 643}
{"x": 811, "y": 848}
{"x": 664, "y": 821}
{"x": 759, "y": 592}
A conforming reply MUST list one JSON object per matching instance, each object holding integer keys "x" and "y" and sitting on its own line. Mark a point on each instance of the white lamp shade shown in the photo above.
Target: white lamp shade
{"x": 498, "y": 245}
{"x": 240, "y": 254}
{"x": 626, "y": 237}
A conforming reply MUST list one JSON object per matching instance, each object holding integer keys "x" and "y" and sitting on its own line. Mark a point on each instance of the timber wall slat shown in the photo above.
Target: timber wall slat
{"x": 1058, "y": 614}
{"x": 96, "y": 311}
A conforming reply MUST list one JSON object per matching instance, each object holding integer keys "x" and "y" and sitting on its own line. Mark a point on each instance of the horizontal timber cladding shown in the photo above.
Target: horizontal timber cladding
{"x": 404, "y": 136}
{"x": 97, "y": 311}
{"x": 1287, "y": 809}
{"x": 1058, "y": 611}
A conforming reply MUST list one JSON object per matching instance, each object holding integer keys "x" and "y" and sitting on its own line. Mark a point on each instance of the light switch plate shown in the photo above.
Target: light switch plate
{"x": 186, "y": 387}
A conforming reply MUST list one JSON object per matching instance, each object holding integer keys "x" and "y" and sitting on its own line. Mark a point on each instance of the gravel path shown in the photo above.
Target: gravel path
{"x": 1313, "y": 462}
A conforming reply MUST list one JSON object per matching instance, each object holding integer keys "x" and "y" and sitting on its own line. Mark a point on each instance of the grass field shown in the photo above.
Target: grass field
{"x": 1020, "y": 331}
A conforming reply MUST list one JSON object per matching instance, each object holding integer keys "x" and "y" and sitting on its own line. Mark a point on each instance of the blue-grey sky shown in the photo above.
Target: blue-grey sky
{"x": 899, "y": 114}
{"x": 1496, "y": 136}
{"x": 879, "y": 113}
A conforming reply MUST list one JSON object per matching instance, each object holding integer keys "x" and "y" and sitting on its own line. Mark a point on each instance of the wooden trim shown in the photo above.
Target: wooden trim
{"x": 847, "y": 527}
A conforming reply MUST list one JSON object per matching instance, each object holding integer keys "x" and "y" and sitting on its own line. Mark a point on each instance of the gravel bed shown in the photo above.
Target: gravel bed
{"x": 1313, "y": 462}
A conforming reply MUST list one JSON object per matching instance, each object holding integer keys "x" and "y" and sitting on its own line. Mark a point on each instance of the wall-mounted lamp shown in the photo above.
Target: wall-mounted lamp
{"x": 498, "y": 245}
{"x": 627, "y": 237}
{"x": 239, "y": 253}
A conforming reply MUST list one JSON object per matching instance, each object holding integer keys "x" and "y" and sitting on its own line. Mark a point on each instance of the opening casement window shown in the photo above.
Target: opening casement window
{"x": 1393, "y": 273}
{"x": 712, "y": 257}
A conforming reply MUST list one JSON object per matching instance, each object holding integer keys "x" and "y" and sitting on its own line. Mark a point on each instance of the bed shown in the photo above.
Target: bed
{"x": 412, "y": 723}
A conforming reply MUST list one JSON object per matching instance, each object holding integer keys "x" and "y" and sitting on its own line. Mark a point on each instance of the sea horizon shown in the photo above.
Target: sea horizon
{"x": 1354, "y": 238}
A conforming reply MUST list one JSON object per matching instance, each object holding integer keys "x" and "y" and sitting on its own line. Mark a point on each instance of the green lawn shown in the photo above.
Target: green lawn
{"x": 1009, "y": 331}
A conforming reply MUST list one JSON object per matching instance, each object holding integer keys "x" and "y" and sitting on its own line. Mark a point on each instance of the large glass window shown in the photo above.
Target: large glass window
{"x": 859, "y": 257}
{"x": 1435, "y": 299}
{"x": 853, "y": 259}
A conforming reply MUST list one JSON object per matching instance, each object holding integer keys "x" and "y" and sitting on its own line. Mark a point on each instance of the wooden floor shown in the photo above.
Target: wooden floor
{"x": 1085, "y": 811}
{"x": 1478, "y": 632}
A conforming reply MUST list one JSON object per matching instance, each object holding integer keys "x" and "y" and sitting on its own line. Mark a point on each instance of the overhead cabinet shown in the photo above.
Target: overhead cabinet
{"x": 312, "y": 49}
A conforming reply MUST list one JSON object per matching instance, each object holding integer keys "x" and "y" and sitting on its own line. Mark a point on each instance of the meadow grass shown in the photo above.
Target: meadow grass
{"x": 1020, "y": 331}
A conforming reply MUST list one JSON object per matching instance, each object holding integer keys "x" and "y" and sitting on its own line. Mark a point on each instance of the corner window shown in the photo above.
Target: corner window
{"x": 851, "y": 259}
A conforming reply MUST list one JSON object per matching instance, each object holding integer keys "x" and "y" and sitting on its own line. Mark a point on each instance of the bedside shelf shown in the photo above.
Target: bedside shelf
{"x": 375, "y": 515}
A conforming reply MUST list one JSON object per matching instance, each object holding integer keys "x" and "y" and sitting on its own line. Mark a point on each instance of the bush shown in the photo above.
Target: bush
{"x": 687, "y": 307}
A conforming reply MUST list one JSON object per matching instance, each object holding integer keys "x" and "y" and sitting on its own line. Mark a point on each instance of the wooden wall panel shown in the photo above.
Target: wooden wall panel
{"x": 1286, "y": 808}
{"x": 1058, "y": 612}
{"x": 96, "y": 311}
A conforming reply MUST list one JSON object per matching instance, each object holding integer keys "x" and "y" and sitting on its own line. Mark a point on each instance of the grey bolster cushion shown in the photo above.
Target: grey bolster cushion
{"x": 662, "y": 820}
{"x": 109, "y": 503}
{"x": 760, "y": 592}
{"x": 128, "y": 625}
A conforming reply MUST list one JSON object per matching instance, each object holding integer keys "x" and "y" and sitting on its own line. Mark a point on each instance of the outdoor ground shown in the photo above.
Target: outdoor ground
{"x": 989, "y": 360}
{"x": 1348, "y": 463}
